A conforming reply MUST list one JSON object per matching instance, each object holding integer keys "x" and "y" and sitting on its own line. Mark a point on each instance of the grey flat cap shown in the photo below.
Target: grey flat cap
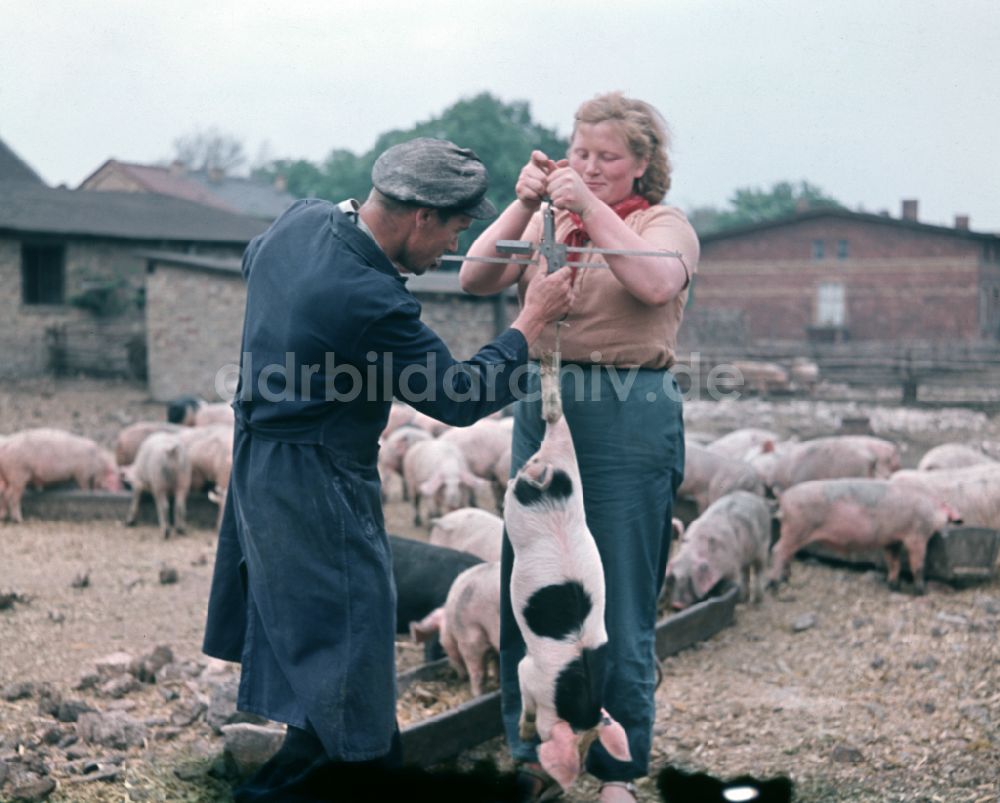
{"x": 435, "y": 173}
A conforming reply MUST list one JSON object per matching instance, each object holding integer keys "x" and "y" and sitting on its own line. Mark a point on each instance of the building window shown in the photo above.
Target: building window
{"x": 819, "y": 249}
{"x": 43, "y": 269}
{"x": 841, "y": 249}
{"x": 831, "y": 304}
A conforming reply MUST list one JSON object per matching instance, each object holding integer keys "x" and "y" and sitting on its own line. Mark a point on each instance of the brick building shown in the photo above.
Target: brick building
{"x": 71, "y": 282}
{"x": 194, "y": 321}
{"x": 831, "y": 275}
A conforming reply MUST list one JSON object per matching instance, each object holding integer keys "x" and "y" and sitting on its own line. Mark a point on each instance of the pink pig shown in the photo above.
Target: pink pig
{"x": 729, "y": 541}
{"x": 557, "y": 593}
{"x": 860, "y": 514}
{"x": 468, "y": 623}
{"x": 45, "y": 456}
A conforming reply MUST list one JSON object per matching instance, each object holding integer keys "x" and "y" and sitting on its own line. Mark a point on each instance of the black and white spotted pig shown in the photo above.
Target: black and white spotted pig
{"x": 557, "y": 593}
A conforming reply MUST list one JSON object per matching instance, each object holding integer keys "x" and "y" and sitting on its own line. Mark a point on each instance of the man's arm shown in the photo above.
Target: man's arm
{"x": 424, "y": 373}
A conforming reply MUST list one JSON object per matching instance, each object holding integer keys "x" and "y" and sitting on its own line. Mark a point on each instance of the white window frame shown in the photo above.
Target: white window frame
{"x": 831, "y": 304}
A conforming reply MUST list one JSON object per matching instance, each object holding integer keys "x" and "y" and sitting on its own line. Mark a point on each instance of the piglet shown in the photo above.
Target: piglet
{"x": 557, "y": 593}
{"x": 163, "y": 468}
{"x": 470, "y": 530}
{"x": 438, "y": 478}
{"x": 468, "y": 624}
{"x": 729, "y": 541}
{"x": 709, "y": 475}
{"x": 131, "y": 437}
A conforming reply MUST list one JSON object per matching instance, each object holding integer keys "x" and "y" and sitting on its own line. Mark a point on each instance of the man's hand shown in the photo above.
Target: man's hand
{"x": 549, "y": 297}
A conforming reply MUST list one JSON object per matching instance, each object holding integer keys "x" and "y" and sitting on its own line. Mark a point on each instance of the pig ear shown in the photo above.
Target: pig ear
{"x": 430, "y": 487}
{"x": 470, "y": 479}
{"x": 704, "y": 578}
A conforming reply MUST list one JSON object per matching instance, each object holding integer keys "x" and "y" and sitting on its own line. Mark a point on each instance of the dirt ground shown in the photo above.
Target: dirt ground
{"x": 857, "y": 693}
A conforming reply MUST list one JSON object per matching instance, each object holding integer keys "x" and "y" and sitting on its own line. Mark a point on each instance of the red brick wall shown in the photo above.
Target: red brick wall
{"x": 900, "y": 284}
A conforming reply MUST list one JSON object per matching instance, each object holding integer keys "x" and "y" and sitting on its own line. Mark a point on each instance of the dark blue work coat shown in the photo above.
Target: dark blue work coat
{"x": 302, "y": 592}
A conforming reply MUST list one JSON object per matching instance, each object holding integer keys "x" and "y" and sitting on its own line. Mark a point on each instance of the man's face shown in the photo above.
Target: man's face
{"x": 429, "y": 239}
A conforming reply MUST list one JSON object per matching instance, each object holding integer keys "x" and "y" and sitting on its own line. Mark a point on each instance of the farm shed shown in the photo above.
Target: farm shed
{"x": 71, "y": 284}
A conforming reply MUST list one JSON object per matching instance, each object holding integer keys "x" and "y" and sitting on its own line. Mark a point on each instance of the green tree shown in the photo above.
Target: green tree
{"x": 502, "y": 135}
{"x": 749, "y": 205}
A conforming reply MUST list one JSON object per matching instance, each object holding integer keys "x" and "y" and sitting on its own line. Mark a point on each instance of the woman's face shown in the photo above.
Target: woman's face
{"x": 600, "y": 154}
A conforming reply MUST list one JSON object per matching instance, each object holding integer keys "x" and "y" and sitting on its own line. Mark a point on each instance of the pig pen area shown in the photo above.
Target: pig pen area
{"x": 857, "y": 693}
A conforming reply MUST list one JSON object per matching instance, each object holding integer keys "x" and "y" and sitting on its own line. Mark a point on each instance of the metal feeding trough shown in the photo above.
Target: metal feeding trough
{"x": 445, "y": 735}
{"x": 959, "y": 556}
{"x": 963, "y": 555}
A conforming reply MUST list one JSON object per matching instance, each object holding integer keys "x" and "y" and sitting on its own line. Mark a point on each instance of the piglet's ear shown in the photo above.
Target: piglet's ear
{"x": 472, "y": 481}
{"x": 704, "y": 579}
{"x": 430, "y": 487}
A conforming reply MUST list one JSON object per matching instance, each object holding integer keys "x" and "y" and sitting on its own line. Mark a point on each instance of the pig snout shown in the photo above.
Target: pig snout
{"x": 954, "y": 517}
{"x": 113, "y": 481}
{"x": 537, "y": 474}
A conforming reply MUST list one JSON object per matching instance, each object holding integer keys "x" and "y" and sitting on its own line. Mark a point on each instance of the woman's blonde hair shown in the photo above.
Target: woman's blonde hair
{"x": 645, "y": 133}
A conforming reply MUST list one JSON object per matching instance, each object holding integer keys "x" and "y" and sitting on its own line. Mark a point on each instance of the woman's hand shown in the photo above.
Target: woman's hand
{"x": 568, "y": 191}
{"x": 532, "y": 183}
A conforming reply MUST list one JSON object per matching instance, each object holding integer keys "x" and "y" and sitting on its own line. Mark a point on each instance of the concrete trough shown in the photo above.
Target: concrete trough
{"x": 76, "y": 505}
{"x": 447, "y": 734}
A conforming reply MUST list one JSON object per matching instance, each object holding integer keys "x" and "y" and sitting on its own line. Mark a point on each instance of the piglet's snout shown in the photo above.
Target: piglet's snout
{"x": 537, "y": 474}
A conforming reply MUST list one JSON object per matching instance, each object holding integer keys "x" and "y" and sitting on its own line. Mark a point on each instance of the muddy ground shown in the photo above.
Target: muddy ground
{"x": 857, "y": 693}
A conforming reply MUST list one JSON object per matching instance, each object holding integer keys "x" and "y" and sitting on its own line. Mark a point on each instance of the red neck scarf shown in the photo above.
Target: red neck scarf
{"x": 578, "y": 236}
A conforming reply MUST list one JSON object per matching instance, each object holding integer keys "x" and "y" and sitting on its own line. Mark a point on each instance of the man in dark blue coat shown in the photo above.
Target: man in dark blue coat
{"x": 302, "y": 593}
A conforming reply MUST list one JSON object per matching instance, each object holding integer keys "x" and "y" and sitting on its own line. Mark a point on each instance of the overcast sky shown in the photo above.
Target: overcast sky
{"x": 872, "y": 101}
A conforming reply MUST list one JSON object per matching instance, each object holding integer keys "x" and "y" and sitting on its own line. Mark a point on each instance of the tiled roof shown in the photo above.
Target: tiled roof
{"x": 27, "y": 208}
{"x": 230, "y": 193}
{"x": 246, "y": 195}
{"x": 162, "y": 181}
{"x": 13, "y": 168}
{"x": 844, "y": 214}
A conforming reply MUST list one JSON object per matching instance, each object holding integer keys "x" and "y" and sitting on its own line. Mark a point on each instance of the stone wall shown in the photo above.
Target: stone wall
{"x": 466, "y": 323}
{"x": 27, "y": 330}
{"x": 195, "y": 322}
{"x": 24, "y": 349}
